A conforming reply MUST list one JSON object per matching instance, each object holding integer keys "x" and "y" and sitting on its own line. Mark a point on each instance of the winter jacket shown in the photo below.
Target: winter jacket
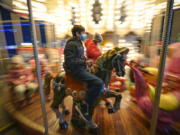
{"x": 74, "y": 58}
{"x": 18, "y": 76}
{"x": 92, "y": 50}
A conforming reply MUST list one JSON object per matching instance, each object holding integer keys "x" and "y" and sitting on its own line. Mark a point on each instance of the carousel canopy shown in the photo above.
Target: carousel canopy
{"x": 96, "y": 15}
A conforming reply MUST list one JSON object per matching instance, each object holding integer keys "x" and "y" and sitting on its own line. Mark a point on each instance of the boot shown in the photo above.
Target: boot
{"x": 110, "y": 107}
{"x": 117, "y": 102}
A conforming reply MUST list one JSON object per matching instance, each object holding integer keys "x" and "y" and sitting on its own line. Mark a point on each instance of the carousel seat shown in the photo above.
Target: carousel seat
{"x": 75, "y": 87}
{"x": 74, "y": 83}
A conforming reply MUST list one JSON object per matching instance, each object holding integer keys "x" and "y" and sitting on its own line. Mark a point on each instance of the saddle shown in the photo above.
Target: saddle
{"x": 75, "y": 87}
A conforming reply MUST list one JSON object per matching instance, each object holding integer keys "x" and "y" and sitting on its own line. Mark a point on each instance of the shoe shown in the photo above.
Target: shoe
{"x": 63, "y": 125}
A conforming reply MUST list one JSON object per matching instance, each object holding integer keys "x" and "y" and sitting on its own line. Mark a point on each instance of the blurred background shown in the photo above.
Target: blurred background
{"x": 136, "y": 24}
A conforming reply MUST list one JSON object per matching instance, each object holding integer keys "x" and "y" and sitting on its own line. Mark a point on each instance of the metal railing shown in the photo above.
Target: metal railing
{"x": 38, "y": 68}
{"x": 166, "y": 41}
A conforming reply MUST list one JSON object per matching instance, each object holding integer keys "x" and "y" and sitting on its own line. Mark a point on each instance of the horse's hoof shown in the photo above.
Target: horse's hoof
{"x": 63, "y": 125}
{"x": 66, "y": 112}
{"x": 78, "y": 123}
{"x": 94, "y": 131}
{"x": 111, "y": 110}
{"x": 116, "y": 107}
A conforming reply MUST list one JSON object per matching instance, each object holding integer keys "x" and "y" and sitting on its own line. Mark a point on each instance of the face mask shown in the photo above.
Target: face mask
{"x": 83, "y": 37}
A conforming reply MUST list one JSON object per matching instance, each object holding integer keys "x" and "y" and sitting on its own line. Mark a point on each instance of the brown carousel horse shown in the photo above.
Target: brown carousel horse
{"x": 65, "y": 85}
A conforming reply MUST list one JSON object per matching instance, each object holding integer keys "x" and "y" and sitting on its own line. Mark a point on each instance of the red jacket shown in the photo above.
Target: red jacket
{"x": 18, "y": 76}
{"x": 92, "y": 50}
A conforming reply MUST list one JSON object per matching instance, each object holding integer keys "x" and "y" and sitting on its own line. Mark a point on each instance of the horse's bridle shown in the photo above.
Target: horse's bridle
{"x": 119, "y": 57}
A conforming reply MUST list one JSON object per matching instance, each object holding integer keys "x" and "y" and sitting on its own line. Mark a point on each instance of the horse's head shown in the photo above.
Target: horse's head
{"x": 112, "y": 59}
{"x": 118, "y": 61}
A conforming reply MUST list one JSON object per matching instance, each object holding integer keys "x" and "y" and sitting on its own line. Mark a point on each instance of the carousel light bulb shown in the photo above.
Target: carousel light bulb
{"x": 20, "y": 11}
{"x": 91, "y": 2}
{"x": 117, "y": 11}
{"x": 108, "y": 44}
{"x": 76, "y": 20}
{"x": 19, "y": 5}
{"x": 77, "y": 15}
{"x": 20, "y": 1}
{"x": 41, "y": 0}
{"x": 60, "y": 2}
{"x": 76, "y": 10}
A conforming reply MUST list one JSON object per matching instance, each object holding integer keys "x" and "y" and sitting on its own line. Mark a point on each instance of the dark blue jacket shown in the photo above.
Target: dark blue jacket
{"x": 74, "y": 58}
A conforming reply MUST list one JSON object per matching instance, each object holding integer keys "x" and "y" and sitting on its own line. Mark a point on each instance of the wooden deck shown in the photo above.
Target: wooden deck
{"x": 129, "y": 120}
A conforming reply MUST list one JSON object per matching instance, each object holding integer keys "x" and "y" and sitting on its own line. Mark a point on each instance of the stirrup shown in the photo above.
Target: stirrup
{"x": 81, "y": 114}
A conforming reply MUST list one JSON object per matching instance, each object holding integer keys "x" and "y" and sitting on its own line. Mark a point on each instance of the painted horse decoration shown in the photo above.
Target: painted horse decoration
{"x": 65, "y": 85}
{"x": 144, "y": 94}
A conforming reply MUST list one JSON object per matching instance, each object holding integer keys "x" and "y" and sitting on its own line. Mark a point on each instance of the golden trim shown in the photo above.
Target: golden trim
{"x": 6, "y": 126}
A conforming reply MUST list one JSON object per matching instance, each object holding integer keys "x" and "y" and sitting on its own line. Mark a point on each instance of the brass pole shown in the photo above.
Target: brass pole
{"x": 166, "y": 41}
{"x": 38, "y": 68}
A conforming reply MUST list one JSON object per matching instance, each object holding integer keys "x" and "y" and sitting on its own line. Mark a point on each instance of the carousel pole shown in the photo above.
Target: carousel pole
{"x": 166, "y": 41}
{"x": 38, "y": 69}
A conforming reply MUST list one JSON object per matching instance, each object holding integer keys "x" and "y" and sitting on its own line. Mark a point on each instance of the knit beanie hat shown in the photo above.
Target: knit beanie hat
{"x": 97, "y": 37}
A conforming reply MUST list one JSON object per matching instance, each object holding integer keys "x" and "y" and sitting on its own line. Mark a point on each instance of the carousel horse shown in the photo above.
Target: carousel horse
{"x": 65, "y": 85}
{"x": 144, "y": 94}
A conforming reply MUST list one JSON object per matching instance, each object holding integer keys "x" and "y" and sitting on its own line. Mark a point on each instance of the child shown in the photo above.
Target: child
{"x": 21, "y": 79}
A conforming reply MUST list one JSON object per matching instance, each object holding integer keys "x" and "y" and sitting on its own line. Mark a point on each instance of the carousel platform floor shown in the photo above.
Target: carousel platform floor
{"x": 129, "y": 120}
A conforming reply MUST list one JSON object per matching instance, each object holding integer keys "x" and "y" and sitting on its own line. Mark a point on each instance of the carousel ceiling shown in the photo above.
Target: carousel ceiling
{"x": 96, "y": 15}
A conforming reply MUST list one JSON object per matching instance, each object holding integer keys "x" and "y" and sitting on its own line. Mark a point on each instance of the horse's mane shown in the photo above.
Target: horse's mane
{"x": 106, "y": 57}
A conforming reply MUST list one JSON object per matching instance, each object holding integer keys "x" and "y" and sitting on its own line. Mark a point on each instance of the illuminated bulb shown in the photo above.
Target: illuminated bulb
{"x": 19, "y": 5}
{"x": 21, "y": 1}
{"x": 20, "y": 11}
{"x": 108, "y": 44}
{"x": 76, "y": 10}
{"x": 77, "y": 15}
{"x": 41, "y": 0}
{"x": 117, "y": 12}
{"x": 90, "y": 7}
{"x": 91, "y": 2}
{"x": 72, "y": 4}
{"x": 77, "y": 20}
{"x": 60, "y": 2}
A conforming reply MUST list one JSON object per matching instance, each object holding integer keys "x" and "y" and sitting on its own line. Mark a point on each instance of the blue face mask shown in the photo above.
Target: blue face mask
{"x": 83, "y": 37}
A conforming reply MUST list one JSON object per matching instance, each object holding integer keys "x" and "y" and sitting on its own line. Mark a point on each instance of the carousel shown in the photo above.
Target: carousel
{"x": 45, "y": 100}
